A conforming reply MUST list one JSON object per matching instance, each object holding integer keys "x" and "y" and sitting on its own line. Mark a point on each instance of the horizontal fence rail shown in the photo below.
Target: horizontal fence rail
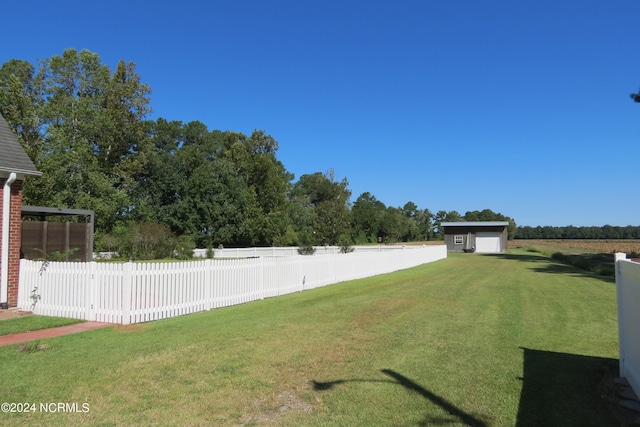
{"x": 273, "y": 251}
{"x": 628, "y": 295}
{"x": 140, "y": 292}
{"x": 291, "y": 251}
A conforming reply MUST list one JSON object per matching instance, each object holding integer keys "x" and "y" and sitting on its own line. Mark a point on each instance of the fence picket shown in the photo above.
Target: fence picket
{"x": 127, "y": 279}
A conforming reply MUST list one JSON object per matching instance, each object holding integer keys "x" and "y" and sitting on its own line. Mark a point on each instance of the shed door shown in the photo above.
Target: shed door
{"x": 488, "y": 241}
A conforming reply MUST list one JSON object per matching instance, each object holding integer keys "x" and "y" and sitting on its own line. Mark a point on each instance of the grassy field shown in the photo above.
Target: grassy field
{"x": 484, "y": 340}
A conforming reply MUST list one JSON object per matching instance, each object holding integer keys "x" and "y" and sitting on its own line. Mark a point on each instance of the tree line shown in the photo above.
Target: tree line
{"x": 180, "y": 185}
{"x": 571, "y": 232}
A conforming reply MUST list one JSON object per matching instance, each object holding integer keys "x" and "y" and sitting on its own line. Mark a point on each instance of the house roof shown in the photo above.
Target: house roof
{"x": 13, "y": 157}
{"x": 476, "y": 224}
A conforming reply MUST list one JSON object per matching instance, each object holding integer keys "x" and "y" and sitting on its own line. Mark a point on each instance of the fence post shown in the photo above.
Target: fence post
{"x": 127, "y": 279}
{"x": 208, "y": 285}
{"x": 91, "y": 292}
{"x": 619, "y": 295}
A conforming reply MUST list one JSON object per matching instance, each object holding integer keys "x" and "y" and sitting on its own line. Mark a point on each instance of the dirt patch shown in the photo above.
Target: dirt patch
{"x": 31, "y": 347}
{"x": 293, "y": 402}
{"x": 13, "y": 313}
{"x": 285, "y": 403}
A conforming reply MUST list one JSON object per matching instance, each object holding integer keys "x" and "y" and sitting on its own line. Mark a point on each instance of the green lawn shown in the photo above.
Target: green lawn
{"x": 33, "y": 323}
{"x": 484, "y": 340}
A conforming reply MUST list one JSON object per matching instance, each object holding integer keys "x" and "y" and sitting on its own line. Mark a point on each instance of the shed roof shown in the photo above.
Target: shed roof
{"x": 476, "y": 224}
{"x": 13, "y": 157}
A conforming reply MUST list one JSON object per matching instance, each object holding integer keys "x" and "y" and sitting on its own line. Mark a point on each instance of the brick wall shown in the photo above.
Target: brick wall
{"x": 15, "y": 238}
{"x": 2, "y": 181}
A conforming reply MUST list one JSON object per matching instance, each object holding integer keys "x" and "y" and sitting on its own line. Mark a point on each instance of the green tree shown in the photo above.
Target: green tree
{"x": 160, "y": 183}
{"x": 331, "y": 221}
{"x": 82, "y": 128}
{"x": 190, "y": 187}
{"x": 321, "y": 205}
{"x": 123, "y": 143}
{"x": 217, "y": 187}
{"x": 267, "y": 181}
{"x": 412, "y": 230}
{"x": 424, "y": 222}
{"x": 410, "y": 209}
{"x": 393, "y": 226}
{"x": 366, "y": 216}
{"x": 444, "y": 216}
{"x": 21, "y": 103}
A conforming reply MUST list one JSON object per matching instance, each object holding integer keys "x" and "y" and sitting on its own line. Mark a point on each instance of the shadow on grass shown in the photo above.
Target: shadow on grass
{"x": 410, "y": 385}
{"x": 550, "y": 265}
{"x": 561, "y": 389}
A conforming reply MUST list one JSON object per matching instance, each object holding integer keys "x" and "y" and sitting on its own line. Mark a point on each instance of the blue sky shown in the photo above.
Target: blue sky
{"x": 521, "y": 107}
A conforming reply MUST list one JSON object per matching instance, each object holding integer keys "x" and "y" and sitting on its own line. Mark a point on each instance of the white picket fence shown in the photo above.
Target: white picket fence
{"x": 140, "y": 292}
{"x": 273, "y": 251}
{"x": 292, "y": 251}
{"x": 628, "y": 293}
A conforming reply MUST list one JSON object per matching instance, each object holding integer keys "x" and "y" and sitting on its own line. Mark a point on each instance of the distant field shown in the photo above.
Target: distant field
{"x": 631, "y": 247}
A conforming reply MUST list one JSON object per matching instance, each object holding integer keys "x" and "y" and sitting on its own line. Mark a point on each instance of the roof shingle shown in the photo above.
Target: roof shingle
{"x": 13, "y": 158}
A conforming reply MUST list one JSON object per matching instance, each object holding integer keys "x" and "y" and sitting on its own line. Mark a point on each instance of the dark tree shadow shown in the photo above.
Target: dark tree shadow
{"x": 328, "y": 385}
{"x": 545, "y": 264}
{"x": 561, "y": 389}
{"x": 411, "y": 385}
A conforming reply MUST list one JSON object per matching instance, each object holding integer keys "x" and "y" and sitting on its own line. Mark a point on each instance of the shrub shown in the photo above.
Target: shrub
{"x": 361, "y": 238}
{"x": 106, "y": 242}
{"x": 305, "y": 245}
{"x": 57, "y": 255}
{"x": 146, "y": 240}
{"x": 344, "y": 242}
{"x": 184, "y": 247}
{"x": 210, "y": 252}
{"x": 306, "y": 249}
{"x": 289, "y": 238}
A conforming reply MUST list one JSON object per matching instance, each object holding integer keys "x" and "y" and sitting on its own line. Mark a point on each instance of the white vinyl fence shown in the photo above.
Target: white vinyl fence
{"x": 273, "y": 251}
{"x": 141, "y": 292}
{"x": 628, "y": 293}
{"x": 292, "y": 251}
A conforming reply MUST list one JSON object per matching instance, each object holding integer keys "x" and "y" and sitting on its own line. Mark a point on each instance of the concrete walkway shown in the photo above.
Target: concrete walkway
{"x": 50, "y": 333}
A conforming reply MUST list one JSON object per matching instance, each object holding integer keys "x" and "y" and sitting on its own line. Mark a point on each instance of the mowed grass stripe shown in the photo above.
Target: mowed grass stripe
{"x": 441, "y": 343}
